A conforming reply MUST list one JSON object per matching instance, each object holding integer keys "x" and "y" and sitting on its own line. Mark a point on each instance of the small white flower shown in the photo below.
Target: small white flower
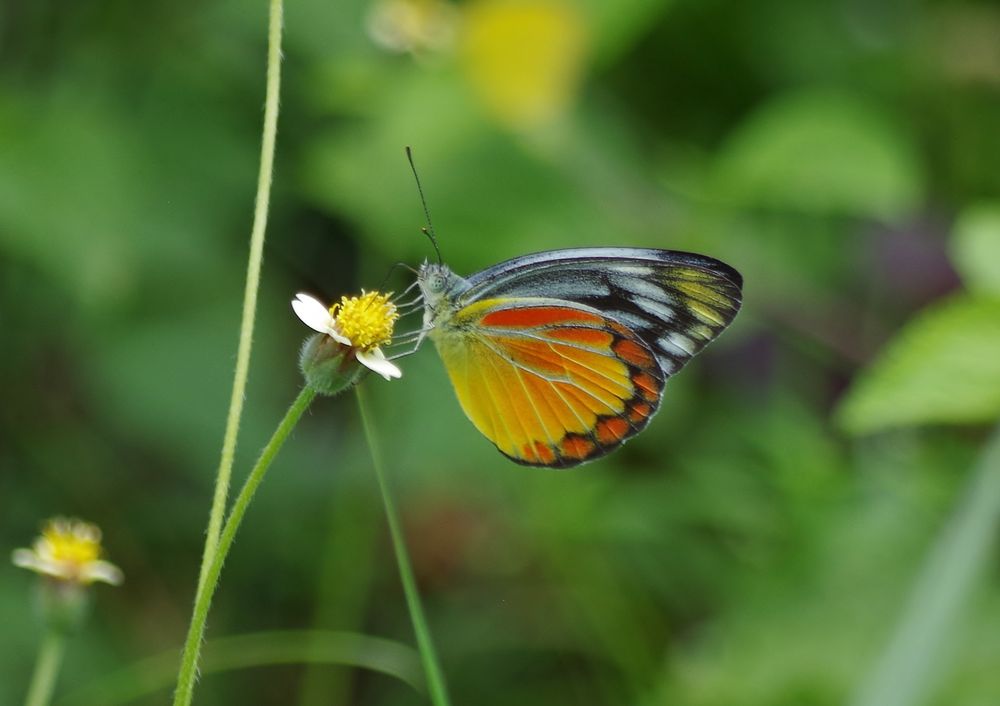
{"x": 69, "y": 550}
{"x": 362, "y": 323}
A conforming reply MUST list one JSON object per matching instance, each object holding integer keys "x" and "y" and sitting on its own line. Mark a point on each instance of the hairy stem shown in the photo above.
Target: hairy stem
{"x": 250, "y": 292}
{"x": 203, "y": 600}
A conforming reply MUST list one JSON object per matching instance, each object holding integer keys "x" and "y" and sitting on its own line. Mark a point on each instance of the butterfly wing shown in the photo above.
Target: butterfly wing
{"x": 561, "y": 356}
{"x": 676, "y": 302}
{"x": 550, "y": 382}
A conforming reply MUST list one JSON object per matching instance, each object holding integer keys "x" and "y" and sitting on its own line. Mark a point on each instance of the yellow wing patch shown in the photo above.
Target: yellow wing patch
{"x": 549, "y": 384}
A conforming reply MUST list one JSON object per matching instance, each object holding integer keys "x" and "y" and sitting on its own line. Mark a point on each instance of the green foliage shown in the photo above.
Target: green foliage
{"x": 907, "y": 670}
{"x": 825, "y": 153}
{"x": 975, "y": 246}
{"x": 743, "y": 550}
{"x": 942, "y": 367}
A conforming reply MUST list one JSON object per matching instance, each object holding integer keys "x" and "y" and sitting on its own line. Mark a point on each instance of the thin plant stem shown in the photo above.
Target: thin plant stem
{"x": 917, "y": 656}
{"x": 435, "y": 677}
{"x": 268, "y": 139}
{"x": 43, "y": 681}
{"x": 203, "y": 599}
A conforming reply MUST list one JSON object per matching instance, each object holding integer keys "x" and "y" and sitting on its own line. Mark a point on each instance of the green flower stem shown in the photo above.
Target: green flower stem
{"x": 43, "y": 681}
{"x": 435, "y": 678}
{"x": 250, "y": 292}
{"x": 203, "y": 599}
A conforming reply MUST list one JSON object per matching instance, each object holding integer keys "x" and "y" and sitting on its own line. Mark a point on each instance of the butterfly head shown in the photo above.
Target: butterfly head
{"x": 437, "y": 282}
{"x": 440, "y": 288}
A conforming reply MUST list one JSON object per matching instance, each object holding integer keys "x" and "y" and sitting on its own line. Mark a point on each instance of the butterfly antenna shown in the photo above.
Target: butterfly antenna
{"x": 429, "y": 230}
{"x": 392, "y": 269}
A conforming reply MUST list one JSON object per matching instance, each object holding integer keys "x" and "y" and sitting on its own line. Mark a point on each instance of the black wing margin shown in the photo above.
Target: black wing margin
{"x": 676, "y": 302}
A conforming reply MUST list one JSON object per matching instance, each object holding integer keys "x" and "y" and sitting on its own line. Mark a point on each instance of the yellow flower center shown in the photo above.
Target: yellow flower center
{"x": 367, "y": 320}
{"x": 76, "y": 543}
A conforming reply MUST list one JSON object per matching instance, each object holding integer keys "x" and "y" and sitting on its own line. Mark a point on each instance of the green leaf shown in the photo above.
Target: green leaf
{"x": 975, "y": 247}
{"x": 943, "y": 367}
{"x": 822, "y": 153}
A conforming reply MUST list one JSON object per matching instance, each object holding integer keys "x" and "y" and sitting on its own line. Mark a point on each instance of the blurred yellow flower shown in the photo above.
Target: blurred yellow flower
{"x": 69, "y": 550}
{"x": 412, "y": 25}
{"x": 524, "y": 58}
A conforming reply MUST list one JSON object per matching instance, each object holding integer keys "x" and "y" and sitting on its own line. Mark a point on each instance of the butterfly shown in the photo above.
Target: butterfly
{"x": 560, "y": 357}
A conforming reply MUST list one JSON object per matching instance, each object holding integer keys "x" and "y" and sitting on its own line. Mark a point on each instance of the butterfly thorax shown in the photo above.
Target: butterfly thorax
{"x": 441, "y": 289}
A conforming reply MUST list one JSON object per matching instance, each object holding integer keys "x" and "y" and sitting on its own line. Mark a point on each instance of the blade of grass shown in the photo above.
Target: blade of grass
{"x": 916, "y": 657}
{"x": 435, "y": 677}
{"x": 213, "y": 535}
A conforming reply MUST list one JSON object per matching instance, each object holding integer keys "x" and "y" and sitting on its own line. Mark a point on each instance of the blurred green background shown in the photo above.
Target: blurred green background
{"x": 756, "y": 545}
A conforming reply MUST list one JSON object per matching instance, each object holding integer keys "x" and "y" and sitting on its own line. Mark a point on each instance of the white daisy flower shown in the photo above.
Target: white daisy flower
{"x": 362, "y": 323}
{"x": 69, "y": 550}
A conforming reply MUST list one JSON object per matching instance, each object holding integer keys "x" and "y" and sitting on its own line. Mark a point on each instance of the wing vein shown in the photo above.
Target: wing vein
{"x": 495, "y": 409}
{"x": 524, "y": 429}
{"x": 534, "y": 407}
{"x": 568, "y": 379}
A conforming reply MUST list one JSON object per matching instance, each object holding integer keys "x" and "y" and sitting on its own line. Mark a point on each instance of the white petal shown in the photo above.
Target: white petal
{"x": 337, "y": 336}
{"x": 27, "y": 559}
{"x": 103, "y": 571}
{"x": 376, "y": 360}
{"x": 313, "y": 313}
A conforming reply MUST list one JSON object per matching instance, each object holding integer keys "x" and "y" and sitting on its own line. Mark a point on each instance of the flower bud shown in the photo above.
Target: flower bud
{"x": 329, "y": 367}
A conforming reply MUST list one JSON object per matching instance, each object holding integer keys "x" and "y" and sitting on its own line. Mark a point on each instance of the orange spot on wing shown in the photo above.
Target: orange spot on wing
{"x": 533, "y": 316}
{"x": 631, "y": 352}
{"x": 576, "y": 447}
{"x": 528, "y": 453}
{"x": 647, "y": 385}
{"x": 585, "y": 336}
{"x": 543, "y": 452}
{"x": 611, "y": 430}
{"x": 620, "y": 329}
{"x": 639, "y": 411}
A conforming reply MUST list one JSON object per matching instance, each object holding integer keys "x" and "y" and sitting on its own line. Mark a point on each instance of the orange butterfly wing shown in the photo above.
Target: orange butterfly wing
{"x": 550, "y": 382}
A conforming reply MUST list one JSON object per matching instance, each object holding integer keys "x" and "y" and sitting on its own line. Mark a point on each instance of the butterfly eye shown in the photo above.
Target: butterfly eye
{"x": 436, "y": 283}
